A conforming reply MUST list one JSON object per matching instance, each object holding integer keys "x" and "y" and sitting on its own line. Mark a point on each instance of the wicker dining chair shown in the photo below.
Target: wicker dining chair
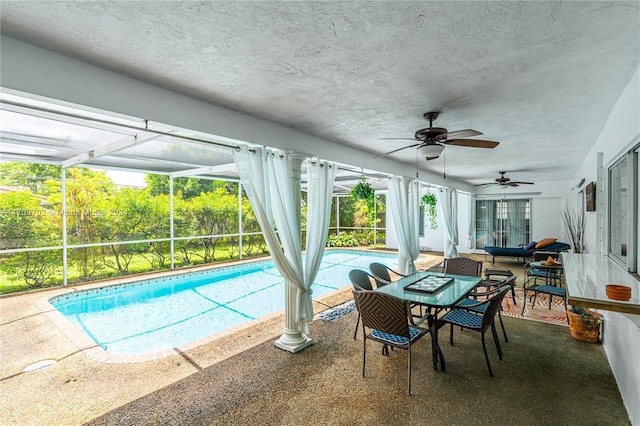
{"x": 479, "y": 322}
{"x": 387, "y": 319}
{"x": 471, "y": 301}
{"x": 361, "y": 280}
{"x": 462, "y": 266}
{"x": 382, "y": 273}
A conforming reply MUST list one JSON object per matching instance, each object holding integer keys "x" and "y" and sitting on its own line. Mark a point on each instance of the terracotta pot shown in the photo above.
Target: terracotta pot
{"x": 580, "y": 330}
{"x": 618, "y": 292}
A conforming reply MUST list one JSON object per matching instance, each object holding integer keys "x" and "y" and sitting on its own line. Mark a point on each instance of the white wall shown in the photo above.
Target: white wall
{"x": 621, "y": 332}
{"x": 545, "y": 219}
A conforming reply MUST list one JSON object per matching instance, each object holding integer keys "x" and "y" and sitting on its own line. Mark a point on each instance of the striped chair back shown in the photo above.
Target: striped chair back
{"x": 462, "y": 266}
{"x": 382, "y": 312}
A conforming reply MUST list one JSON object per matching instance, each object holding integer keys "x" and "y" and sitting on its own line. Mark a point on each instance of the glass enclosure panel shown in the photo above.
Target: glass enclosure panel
{"x": 346, "y": 210}
{"x": 485, "y": 221}
{"x": 30, "y": 270}
{"x": 204, "y": 207}
{"x": 381, "y": 221}
{"x": 28, "y": 214}
{"x": 618, "y": 221}
{"x": 333, "y": 220}
{"x": 254, "y": 245}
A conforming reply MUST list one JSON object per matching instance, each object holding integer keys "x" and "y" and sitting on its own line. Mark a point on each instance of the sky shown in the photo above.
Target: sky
{"x": 127, "y": 178}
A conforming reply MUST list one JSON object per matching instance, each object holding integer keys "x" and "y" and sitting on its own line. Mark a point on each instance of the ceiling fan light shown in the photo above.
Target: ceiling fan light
{"x": 431, "y": 152}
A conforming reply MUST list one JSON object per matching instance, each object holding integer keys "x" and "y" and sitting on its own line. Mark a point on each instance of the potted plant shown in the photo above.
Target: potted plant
{"x": 362, "y": 191}
{"x": 428, "y": 202}
{"x": 584, "y": 325}
{"x": 574, "y": 222}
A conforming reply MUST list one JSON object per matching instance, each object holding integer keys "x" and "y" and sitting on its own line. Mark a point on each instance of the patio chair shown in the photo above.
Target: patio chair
{"x": 479, "y": 322}
{"x": 462, "y": 266}
{"x": 360, "y": 280}
{"x": 504, "y": 278}
{"x": 387, "y": 318}
{"x": 534, "y": 274}
{"x": 381, "y": 273}
{"x": 552, "y": 278}
{"x": 471, "y": 302}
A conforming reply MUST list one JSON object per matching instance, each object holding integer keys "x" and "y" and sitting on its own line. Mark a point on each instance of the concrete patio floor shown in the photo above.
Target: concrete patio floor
{"x": 242, "y": 378}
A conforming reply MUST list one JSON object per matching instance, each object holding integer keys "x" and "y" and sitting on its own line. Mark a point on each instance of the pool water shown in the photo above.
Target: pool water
{"x": 163, "y": 313}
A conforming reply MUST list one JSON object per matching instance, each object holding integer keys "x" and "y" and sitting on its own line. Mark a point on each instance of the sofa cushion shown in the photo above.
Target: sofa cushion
{"x": 545, "y": 242}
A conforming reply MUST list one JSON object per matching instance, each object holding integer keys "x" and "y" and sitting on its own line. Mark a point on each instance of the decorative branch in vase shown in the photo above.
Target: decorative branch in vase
{"x": 574, "y": 223}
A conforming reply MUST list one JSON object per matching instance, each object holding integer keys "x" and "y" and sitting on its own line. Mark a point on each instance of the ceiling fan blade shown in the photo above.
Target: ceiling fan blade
{"x": 473, "y": 143}
{"x": 400, "y": 139}
{"x": 460, "y": 134}
{"x": 396, "y": 150}
{"x": 524, "y": 183}
{"x": 512, "y": 184}
{"x": 485, "y": 184}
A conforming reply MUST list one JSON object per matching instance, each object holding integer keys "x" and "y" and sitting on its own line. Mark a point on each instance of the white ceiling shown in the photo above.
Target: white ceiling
{"x": 539, "y": 77}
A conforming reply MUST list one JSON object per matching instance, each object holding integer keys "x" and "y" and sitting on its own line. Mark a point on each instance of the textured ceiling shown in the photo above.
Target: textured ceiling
{"x": 539, "y": 77}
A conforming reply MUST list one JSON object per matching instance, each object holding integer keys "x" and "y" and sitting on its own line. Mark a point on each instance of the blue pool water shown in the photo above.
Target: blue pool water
{"x": 163, "y": 313}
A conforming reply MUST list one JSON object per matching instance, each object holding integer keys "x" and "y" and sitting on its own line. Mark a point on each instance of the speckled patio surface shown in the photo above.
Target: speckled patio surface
{"x": 546, "y": 377}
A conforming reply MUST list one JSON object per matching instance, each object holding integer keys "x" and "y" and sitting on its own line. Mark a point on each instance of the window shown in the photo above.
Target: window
{"x": 502, "y": 223}
{"x": 623, "y": 188}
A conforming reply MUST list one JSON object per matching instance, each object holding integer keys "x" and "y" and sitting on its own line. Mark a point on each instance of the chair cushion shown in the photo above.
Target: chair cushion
{"x": 542, "y": 273}
{"x": 545, "y": 242}
{"x": 550, "y": 289}
{"x": 530, "y": 246}
{"x": 394, "y": 339}
{"x": 463, "y": 318}
{"x": 507, "y": 251}
{"x": 464, "y": 303}
{"x": 558, "y": 247}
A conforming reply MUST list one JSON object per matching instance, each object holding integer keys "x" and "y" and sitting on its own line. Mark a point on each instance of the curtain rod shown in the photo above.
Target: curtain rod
{"x": 112, "y": 123}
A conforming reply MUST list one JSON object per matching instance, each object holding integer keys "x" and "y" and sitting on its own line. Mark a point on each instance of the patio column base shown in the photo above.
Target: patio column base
{"x": 293, "y": 341}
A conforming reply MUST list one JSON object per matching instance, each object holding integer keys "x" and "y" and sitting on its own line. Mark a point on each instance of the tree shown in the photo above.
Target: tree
{"x": 213, "y": 213}
{"x": 88, "y": 194}
{"x": 188, "y": 187}
{"x": 29, "y": 175}
{"x": 133, "y": 214}
{"x": 23, "y": 224}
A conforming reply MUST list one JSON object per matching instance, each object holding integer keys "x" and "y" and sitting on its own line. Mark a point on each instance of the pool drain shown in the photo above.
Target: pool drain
{"x": 40, "y": 365}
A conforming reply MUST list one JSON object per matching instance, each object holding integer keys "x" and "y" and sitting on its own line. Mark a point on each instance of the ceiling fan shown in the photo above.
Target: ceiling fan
{"x": 432, "y": 140}
{"x": 504, "y": 181}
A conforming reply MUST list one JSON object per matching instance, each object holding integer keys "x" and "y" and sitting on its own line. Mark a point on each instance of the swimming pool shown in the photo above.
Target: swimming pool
{"x": 163, "y": 313}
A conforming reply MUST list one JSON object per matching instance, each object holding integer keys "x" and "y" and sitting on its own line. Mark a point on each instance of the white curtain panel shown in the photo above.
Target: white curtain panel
{"x": 404, "y": 200}
{"x": 321, "y": 175}
{"x": 471, "y": 238}
{"x": 268, "y": 178}
{"x": 449, "y": 204}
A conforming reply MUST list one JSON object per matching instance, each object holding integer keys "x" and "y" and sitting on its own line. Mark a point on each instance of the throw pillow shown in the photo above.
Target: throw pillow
{"x": 545, "y": 242}
{"x": 530, "y": 246}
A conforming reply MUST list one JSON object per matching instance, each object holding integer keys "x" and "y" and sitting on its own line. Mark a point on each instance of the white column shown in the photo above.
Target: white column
{"x": 65, "y": 262}
{"x": 171, "y": 233}
{"x": 292, "y": 339}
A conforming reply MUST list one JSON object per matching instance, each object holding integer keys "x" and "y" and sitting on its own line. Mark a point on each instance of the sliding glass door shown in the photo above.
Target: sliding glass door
{"x": 623, "y": 194}
{"x": 502, "y": 223}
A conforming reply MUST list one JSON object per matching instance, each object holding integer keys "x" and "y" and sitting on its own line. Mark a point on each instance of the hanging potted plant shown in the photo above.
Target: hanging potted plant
{"x": 428, "y": 202}
{"x": 362, "y": 191}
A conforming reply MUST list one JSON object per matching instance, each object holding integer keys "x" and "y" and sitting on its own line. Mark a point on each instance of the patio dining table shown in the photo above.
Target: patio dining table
{"x": 437, "y": 300}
